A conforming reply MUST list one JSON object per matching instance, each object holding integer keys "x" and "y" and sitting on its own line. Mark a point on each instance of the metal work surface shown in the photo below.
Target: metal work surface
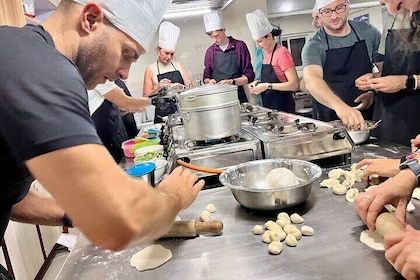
{"x": 334, "y": 252}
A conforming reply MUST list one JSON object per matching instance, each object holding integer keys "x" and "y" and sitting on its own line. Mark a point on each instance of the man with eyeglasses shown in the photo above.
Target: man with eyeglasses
{"x": 227, "y": 61}
{"x": 339, "y": 53}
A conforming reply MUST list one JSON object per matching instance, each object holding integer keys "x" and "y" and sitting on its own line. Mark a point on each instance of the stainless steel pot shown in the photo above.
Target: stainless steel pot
{"x": 210, "y": 112}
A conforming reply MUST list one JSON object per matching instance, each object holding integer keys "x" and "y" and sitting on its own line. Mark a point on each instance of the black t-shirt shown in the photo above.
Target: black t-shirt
{"x": 43, "y": 106}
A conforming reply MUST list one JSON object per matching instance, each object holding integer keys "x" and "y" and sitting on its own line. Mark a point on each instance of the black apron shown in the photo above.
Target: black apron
{"x": 226, "y": 66}
{"x": 275, "y": 99}
{"x": 342, "y": 67}
{"x": 128, "y": 119}
{"x": 166, "y": 106}
{"x": 110, "y": 128}
{"x": 399, "y": 111}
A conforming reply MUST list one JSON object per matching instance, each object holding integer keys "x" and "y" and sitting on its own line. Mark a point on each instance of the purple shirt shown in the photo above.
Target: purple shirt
{"x": 240, "y": 49}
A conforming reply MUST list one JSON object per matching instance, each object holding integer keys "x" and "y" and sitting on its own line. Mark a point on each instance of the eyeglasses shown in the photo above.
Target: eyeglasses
{"x": 328, "y": 12}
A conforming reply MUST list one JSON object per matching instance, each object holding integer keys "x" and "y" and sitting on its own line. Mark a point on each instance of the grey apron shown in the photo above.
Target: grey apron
{"x": 226, "y": 66}
{"x": 166, "y": 106}
{"x": 399, "y": 111}
{"x": 275, "y": 99}
{"x": 342, "y": 67}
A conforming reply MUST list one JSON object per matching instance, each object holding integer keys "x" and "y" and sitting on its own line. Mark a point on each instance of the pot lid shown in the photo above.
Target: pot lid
{"x": 209, "y": 89}
{"x": 140, "y": 169}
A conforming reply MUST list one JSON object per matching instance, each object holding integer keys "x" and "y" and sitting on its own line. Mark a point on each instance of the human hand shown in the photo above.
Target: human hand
{"x": 402, "y": 250}
{"x": 382, "y": 167}
{"x": 350, "y": 117}
{"x": 259, "y": 88}
{"x": 366, "y": 99}
{"x": 363, "y": 82}
{"x": 415, "y": 144}
{"x": 395, "y": 191}
{"x": 388, "y": 84}
{"x": 211, "y": 82}
{"x": 176, "y": 86}
{"x": 225, "y": 82}
{"x": 182, "y": 183}
{"x": 164, "y": 83}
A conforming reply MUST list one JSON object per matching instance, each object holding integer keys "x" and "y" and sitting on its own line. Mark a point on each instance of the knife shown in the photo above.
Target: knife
{"x": 192, "y": 228}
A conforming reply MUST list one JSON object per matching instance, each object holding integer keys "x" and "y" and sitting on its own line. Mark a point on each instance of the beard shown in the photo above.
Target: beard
{"x": 90, "y": 60}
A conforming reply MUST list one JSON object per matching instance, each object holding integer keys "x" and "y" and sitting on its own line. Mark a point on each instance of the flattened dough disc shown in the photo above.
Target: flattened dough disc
{"x": 373, "y": 239}
{"x": 150, "y": 257}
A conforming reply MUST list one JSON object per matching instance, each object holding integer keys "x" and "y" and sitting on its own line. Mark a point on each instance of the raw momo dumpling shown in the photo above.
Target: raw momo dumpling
{"x": 280, "y": 178}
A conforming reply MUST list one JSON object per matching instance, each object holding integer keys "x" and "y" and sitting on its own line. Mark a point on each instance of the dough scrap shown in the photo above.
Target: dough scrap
{"x": 336, "y": 173}
{"x": 351, "y": 194}
{"x": 211, "y": 208}
{"x": 281, "y": 178}
{"x": 257, "y": 230}
{"x": 416, "y": 193}
{"x": 372, "y": 239}
{"x": 150, "y": 257}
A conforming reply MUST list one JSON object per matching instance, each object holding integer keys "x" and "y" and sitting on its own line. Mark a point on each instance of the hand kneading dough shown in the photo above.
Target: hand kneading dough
{"x": 373, "y": 240}
{"x": 150, "y": 257}
{"x": 281, "y": 178}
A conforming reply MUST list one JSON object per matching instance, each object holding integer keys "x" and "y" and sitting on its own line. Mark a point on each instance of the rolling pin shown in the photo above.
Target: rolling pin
{"x": 192, "y": 228}
{"x": 387, "y": 223}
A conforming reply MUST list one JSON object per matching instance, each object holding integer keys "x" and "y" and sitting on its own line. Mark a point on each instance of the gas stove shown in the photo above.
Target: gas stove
{"x": 285, "y": 135}
{"x": 213, "y": 153}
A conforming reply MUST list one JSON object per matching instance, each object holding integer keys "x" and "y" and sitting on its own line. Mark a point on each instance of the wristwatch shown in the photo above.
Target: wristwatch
{"x": 414, "y": 166}
{"x": 233, "y": 82}
{"x": 270, "y": 86}
{"x": 410, "y": 83}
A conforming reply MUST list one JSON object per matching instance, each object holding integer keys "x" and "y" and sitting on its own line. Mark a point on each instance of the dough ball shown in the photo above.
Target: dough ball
{"x": 268, "y": 223}
{"x": 257, "y": 229}
{"x": 275, "y": 247}
{"x": 283, "y": 221}
{"x": 307, "y": 230}
{"x": 290, "y": 229}
{"x": 329, "y": 183}
{"x": 296, "y": 218}
{"x": 150, "y": 257}
{"x": 283, "y": 214}
{"x": 211, "y": 208}
{"x": 351, "y": 194}
{"x": 335, "y": 173}
{"x": 416, "y": 193}
{"x": 291, "y": 240}
{"x": 297, "y": 234}
{"x": 205, "y": 216}
{"x": 279, "y": 234}
{"x": 281, "y": 178}
{"x": 273, "y": 226}
{"x": 268, "y": 236}
{"x": 339, "y": 189}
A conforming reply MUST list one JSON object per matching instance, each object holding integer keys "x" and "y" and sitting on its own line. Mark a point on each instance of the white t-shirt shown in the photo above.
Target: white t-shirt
{"x": 96, "y": 96}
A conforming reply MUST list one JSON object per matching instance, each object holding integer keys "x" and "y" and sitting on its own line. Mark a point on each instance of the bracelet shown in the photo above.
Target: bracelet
{"x": 415, "y": 81}
{"x": 66, "y": 221}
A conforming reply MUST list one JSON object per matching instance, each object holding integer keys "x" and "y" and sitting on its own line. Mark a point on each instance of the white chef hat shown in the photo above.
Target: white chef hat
{"x": 258, "y": 24}
{"x": 168, "y": 35}
{"x": 138, "y": 19}
{"x": 213, "y": 21}
{"x": 322, "y": 3}
{"x": 315, "y": 10}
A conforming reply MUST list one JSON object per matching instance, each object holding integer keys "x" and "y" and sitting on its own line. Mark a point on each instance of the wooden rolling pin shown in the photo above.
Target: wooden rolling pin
{"x": 192, "y": 228}
{"x": 386, "y": 223}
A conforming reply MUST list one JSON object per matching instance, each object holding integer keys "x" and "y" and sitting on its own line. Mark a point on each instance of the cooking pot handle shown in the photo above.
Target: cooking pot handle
{"x": 186, "y": 116}
{"x": 199, "y": 168}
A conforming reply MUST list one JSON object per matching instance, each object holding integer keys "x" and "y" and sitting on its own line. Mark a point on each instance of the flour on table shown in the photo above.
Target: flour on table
{"x": 373, "y": 240}
{"x": 150, "y": 257}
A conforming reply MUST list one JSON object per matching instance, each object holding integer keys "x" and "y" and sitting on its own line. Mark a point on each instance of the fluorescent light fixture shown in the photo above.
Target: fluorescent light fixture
{"x": 186, "y": 13}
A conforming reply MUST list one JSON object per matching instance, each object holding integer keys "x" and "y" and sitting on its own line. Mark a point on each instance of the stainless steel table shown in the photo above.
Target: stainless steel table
{"x": 334, "y": 252}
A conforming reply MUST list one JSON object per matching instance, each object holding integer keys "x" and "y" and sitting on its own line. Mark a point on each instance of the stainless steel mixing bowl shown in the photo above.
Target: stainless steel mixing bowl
{"x": 247, "y": 183}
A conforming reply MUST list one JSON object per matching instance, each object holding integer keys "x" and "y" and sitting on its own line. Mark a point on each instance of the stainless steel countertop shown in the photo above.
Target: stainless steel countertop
{"x": 334, "y": 252}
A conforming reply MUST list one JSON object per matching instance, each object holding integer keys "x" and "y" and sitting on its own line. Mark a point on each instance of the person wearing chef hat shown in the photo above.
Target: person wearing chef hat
{"x": 279, "y": 78}
{"x": 398, "y": 87}
{"x": 80, "y": 45}
{"x": 228, "y": 60}
{"x": 166, "y": 73}
{"x": 339, "y": 53}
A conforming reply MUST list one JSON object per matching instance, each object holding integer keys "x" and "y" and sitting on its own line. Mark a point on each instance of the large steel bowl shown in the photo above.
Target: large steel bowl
{"x": 247, "y": 183}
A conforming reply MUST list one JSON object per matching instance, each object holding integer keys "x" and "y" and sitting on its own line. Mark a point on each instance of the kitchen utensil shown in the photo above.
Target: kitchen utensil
{"x": 143, "y": 171}
{"x": 199, "y": 168}
{"x": 152, "y": 148}
{"x": 387, "y": 223}
{"x": 210, "y": 112}
{"x": 247, "y": 183}
{"x": 359, "y": 136}
{"x": 192, "y": 228}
